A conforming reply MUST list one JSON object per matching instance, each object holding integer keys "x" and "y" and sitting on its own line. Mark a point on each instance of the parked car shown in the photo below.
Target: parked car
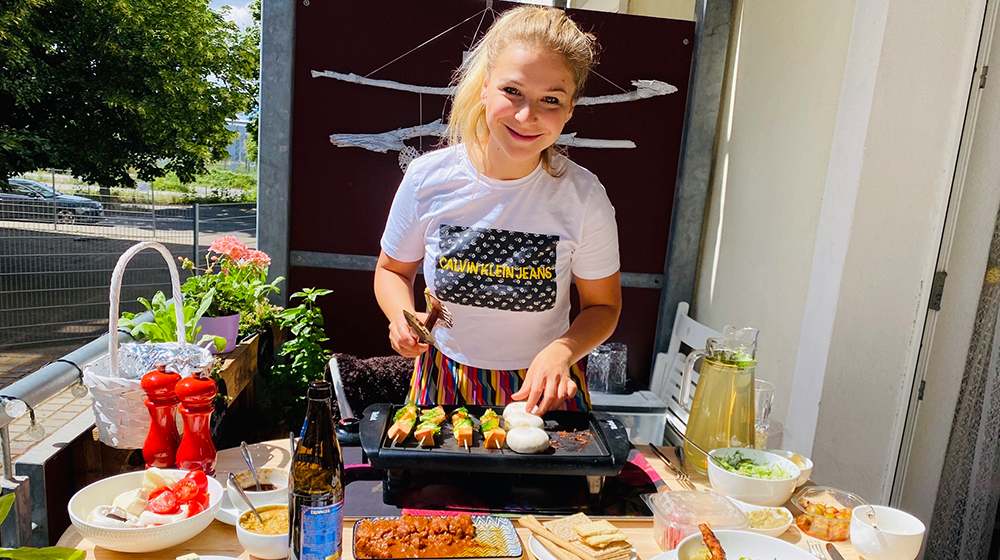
{"x": 21, "y": 199}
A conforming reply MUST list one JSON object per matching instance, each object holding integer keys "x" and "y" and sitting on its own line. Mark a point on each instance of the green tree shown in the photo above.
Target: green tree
{"x": 252, "y": 37}
{"x": 104, "y": 86}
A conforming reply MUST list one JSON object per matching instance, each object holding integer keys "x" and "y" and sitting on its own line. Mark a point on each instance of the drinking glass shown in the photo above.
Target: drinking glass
{"x": 763, "y": 396}
{"x": 606, "y": 371}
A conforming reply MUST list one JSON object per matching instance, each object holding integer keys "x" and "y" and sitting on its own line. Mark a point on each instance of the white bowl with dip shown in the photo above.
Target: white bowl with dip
{"x": 770, "y": 521}
{"x": 804, "y": 464}
{"x": 267, "y": 475}
{"x": 265, "y": 546}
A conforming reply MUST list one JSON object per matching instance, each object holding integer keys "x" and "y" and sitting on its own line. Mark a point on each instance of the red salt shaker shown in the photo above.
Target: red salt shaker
{"x": 196, "y": 450}
{"x": 160, "y": 448}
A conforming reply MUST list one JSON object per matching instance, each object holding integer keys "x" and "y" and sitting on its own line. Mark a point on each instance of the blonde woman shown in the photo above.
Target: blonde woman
{"x": 503, "y": 224}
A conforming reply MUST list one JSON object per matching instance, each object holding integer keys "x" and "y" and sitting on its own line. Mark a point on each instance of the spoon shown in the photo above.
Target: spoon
{"x": 253, "y": 472}
{"x": 239, "y": 489}
{"x": 871, "y": 516}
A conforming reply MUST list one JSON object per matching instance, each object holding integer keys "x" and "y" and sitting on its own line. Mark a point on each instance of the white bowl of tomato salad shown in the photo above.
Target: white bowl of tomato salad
{"x": 193, "y": 499}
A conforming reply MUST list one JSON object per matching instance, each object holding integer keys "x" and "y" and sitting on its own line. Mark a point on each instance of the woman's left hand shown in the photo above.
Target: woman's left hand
{"x": 547, "y": 382}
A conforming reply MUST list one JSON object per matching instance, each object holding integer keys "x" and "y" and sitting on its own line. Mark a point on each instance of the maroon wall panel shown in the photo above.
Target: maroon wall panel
{"x": 341, "y": 195}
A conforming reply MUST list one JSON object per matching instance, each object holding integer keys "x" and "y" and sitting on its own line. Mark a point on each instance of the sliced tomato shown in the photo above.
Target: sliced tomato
{"x": 185, "y": 490}
{"x": 162, "y": 501}
{"x": 199, "y": 478}
{"x": 194, "y": 508}
{"x": 201, "y": 499}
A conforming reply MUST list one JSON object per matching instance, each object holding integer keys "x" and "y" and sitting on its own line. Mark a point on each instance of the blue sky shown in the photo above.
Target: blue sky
{"x": 238, "y": 11}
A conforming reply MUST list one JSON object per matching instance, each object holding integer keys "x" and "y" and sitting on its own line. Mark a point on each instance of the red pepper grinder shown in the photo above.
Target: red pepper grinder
{"x": 160, "y": 448}
{"x": 196, "y": 450}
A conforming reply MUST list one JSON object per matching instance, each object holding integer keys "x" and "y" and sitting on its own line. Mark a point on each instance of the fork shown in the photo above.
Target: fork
{"x": 436, "y": 311}
{"x": 679, "y": 474}
{"x": 816, "y": 550}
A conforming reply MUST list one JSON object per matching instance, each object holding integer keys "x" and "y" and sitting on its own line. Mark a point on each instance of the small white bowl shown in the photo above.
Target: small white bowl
{"x": 267, "y": 475}
{"x": 899, "y": 535}
{"x": 267, "y": 547}
{"x": 757, "y": 491}
{"x": 739, "y": 544}
{"x": 781, "y": 511}
{"x": 143, "y": 539}
{"x": 806, "y": 471}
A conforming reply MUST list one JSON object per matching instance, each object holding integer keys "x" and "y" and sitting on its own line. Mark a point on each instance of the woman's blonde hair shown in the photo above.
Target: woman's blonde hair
{"x": 548, "y": 28}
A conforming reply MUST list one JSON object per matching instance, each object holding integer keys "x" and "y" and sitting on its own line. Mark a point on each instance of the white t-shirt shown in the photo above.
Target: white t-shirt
{"x": 501, "y": 254}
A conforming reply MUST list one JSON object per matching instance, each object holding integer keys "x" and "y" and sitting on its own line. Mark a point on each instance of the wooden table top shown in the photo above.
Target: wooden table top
{"x": 220, "y": 538}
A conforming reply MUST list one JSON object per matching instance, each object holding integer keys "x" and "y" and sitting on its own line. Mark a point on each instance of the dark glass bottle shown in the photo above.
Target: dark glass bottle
{"x": 316, "y": 508}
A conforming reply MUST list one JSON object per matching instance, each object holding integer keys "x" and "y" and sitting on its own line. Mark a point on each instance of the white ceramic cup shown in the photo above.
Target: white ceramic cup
{"x": 899, "y": 535}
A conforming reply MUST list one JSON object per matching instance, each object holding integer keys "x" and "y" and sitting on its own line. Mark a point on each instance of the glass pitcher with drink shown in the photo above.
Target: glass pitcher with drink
{"x": 722, "y": 414}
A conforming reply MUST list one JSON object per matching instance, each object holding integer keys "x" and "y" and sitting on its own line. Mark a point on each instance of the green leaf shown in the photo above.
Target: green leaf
{"x": 47, "y": 553}
{"x": 6, "y": 502}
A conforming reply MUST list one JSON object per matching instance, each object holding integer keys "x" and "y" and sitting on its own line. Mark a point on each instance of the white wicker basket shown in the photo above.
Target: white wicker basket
{"x": 121, "y": 416}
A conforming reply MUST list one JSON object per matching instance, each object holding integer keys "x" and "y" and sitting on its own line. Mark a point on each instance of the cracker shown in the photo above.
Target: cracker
{"x": 594, "y": 528}
{"x": 603, "y": 541}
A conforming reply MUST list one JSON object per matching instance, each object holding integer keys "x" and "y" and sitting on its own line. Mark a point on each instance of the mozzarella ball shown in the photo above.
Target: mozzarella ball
{"x": 514, "y": 407}
{"x": 522, "y": 420}
{"x": 527, "y": 440}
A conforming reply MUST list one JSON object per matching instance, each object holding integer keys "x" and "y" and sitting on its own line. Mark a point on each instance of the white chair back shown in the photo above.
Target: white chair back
{"x": 668, "y": 369}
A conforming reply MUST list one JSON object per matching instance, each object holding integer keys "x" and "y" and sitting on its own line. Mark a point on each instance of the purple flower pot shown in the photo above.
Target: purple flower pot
{"x": 227, "y": 327}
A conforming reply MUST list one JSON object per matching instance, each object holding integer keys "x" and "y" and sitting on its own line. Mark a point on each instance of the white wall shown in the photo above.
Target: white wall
{"x": 840, "y": 306}
{"x": 671, "y": 9}
{"x": 974, "y": 217}
{"x": 774, "y": 146}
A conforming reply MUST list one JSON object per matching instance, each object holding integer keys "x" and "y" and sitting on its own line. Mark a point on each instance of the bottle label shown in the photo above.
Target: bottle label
{"x": 322, "y": 532}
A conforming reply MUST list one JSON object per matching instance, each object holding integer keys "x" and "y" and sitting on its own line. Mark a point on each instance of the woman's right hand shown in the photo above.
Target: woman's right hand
{"x": 402, "y": 337}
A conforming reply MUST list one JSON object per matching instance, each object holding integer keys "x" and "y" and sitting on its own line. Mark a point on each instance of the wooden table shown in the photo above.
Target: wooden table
{"x": 220, "y": 538}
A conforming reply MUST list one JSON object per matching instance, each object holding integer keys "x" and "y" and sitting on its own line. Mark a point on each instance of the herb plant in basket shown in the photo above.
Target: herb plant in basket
{"x": 163, "y": 328}
{"x": 234, "y": 284}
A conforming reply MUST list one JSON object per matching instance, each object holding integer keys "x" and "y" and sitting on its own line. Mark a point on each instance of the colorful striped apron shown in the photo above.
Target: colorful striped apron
{"x": 437, "y": 379}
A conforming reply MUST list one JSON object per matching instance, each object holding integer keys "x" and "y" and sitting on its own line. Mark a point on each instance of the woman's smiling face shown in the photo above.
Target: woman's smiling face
{"x": 528, "y": 96}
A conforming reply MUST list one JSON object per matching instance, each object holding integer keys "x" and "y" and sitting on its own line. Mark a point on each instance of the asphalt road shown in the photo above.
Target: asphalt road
{"x": 55, "y": 277}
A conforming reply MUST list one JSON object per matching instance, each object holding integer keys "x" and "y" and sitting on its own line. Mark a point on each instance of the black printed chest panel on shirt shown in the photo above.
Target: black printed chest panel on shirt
{"x": 496, "y": 269}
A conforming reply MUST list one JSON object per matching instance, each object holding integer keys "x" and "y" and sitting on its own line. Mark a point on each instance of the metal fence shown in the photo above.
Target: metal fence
{"x": 56, "y": 260}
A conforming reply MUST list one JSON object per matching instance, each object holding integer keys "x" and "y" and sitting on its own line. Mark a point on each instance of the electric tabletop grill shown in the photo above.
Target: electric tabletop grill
{"x": 589, "y": 444}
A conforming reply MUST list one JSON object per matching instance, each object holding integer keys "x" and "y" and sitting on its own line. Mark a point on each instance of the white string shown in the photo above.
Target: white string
{"x": 607, "y": 80}
{"x": 425, "y": 42}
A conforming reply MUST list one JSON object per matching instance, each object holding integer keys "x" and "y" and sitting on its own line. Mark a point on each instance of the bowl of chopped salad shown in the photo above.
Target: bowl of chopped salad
{"x": 752, "y": 476}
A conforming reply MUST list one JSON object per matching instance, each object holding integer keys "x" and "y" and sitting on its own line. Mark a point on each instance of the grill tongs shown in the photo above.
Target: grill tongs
{"x": 436, "y": 312}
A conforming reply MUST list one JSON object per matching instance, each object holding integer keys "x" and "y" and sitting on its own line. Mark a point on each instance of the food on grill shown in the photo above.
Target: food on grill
{"x": 462, "y": 427}
{"x": 522, "y": 420}
{"x": 493, "y": 435}
{"x": 513, "y": 407}
{"x": 403, "y": 422}
{"x": 434, "y": 415}
{"x": 425, "y": 433}
{"x": 527, "y": 440}
{"x": 413, "y": 536}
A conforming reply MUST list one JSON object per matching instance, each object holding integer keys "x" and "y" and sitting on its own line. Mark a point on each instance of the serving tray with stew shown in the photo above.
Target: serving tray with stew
{"x": 582, "y": 443}
{"x": 495, "y": 538}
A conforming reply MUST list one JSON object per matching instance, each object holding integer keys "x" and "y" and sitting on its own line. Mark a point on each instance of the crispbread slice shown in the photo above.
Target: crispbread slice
{"x": 565, "y": 528}
{"x": 603, "y": 541}
{"x": 594, "y": 528}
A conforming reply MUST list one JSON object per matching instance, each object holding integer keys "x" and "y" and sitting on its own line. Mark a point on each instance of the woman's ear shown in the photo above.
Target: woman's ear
{"x": 569, "y": 115}
{"x": 482, "y": 92}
